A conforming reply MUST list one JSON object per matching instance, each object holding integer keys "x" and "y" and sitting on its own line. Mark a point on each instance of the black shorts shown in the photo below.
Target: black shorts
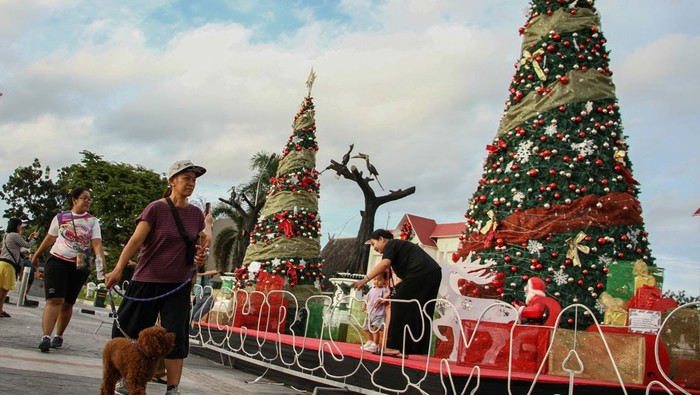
{"x": 63, "y": 280}
{"x": 174, "y": 311}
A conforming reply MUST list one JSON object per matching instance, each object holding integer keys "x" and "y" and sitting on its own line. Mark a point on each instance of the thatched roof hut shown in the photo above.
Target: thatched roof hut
{"x": 338, "y": 255}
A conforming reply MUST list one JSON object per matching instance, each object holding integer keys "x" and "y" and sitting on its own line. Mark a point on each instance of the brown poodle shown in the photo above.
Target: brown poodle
{"x": 136, "y": 361}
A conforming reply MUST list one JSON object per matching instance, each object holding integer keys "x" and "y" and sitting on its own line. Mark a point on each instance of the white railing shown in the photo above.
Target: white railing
{"x": 258, "y": 340}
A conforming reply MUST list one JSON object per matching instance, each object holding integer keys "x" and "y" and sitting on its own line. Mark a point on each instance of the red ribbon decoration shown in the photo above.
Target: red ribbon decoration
{"x": 240, "y": 272}
{"x": 626, "y": 173}
{"x": 292, "y": 271}
{"x": 285, "y": 224}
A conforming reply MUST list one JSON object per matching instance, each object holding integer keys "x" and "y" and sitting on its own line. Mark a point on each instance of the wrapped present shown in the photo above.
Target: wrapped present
{"x": 221, "y": 318}
{"x": 625, "y": 278}
{"x": 642, "y": 276}
{"x": 645, "y": 298}
{"x": 262, "y": 310}
{"x": 620, "y": 282}
{"x": 651, "y": 370}
{"x": 314, "y": 324}
{"x": 627, "y": 351}
{"x": 491, "y": 346}
{"x": 615, "y": 310}
{"x": 443, "y": 349}
{"x": 617, "y": 318}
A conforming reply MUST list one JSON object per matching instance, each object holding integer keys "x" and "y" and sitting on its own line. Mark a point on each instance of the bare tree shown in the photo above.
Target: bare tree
{"x": 372, "y": 203}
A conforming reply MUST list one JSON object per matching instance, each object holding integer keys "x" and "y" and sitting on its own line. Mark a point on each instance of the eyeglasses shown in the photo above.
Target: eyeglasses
{"x": 85, "y": 198}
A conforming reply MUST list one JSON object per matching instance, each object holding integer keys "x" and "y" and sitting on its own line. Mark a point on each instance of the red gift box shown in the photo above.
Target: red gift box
{"x": 491, "y": 346}
{"x": 645, "y": 298}
{"x": 262, "y": 311}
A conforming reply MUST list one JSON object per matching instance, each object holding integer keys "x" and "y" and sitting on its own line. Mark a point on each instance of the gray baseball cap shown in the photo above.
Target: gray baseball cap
{"x": 185, "y": 165}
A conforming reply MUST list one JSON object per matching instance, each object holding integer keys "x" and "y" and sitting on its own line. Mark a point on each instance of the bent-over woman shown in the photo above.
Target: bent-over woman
{"x": 420, "y": 279}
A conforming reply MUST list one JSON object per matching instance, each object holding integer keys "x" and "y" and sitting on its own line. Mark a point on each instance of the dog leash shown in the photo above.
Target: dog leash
{"x": 151, "y": 299}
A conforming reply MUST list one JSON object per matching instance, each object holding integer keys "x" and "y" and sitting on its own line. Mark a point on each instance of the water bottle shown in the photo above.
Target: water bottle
{"x": 100, "y": 267}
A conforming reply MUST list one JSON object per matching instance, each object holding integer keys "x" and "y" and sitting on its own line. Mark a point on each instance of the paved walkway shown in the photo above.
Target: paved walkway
{"x": 77, "y": 367}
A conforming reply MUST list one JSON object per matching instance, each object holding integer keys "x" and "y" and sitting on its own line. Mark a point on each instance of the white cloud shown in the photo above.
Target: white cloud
{"x": 418, "y": 85}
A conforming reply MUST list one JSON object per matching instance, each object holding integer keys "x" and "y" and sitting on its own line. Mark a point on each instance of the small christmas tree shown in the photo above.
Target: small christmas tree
{"x": 286, "y": 239}
{"x": 557, "y": 199}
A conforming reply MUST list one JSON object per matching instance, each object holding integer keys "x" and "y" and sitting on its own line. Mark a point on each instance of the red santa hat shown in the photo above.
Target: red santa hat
{"x": 535, "y": 286}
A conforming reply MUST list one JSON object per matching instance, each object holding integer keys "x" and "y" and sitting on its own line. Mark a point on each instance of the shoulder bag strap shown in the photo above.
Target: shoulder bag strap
{"x": 180, "y": 227}
{"x": 76, "y": 246}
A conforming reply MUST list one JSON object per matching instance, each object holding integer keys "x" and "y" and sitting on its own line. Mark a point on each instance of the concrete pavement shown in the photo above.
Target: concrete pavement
{"x": 76, "y": 368}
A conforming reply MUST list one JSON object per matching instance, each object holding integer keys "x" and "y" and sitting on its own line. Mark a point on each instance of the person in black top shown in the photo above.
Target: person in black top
{"x": 420, "y": 280}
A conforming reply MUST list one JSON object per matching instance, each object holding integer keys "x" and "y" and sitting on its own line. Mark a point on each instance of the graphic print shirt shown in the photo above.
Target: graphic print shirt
{"x": 75, "y": 233}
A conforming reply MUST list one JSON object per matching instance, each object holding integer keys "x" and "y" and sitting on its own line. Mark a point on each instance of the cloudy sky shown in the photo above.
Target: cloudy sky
{"x": 418, "y": 85}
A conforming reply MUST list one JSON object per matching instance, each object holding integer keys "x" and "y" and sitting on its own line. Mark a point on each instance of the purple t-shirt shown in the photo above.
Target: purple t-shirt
{"x": 162, "y": 255}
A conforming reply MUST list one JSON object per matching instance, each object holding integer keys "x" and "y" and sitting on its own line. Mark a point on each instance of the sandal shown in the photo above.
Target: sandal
{"x": 4, "y": 314}
{"x": 159, "y": 380}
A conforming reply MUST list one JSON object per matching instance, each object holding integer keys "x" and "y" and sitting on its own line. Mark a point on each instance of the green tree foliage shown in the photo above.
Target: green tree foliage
{"x": 32, "y": 195}
{"x": 120, "y": 193}
{"x": 681, "y": 298}
{"x": 243, "y": 207}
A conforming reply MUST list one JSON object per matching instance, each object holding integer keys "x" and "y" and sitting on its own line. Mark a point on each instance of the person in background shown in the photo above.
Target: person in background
{"x": 420, "y": 280}
{"x": 203, "y": 299}
{"x": 10, "y": 258}
{"x": 376, "y": 313}
{"x": 164, "y": 270}
{"x": 71, "y": 236}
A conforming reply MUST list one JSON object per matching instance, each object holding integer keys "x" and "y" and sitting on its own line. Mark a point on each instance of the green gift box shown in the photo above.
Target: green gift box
{"x": 315, "y": 322}
{"x": 620, "y": 282}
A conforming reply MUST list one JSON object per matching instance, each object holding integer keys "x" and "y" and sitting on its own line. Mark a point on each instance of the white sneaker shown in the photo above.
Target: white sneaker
{"x": 120, "y": 388}
{"x": 367, "y": 345}
{"x": 373, "y": 348}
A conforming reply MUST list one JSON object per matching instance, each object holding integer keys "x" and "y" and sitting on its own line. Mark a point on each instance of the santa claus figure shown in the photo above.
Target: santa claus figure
{"x": 539, "y": 308}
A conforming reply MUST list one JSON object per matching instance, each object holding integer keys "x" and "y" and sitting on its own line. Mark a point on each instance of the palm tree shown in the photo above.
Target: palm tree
{"x": 243, "y": 207}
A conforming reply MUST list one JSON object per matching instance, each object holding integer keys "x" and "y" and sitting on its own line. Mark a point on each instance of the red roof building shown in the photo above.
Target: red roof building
{"x": 439, "y": 240}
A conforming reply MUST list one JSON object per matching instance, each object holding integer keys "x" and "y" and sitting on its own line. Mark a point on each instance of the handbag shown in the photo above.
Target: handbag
{"x": 189, "y": 244}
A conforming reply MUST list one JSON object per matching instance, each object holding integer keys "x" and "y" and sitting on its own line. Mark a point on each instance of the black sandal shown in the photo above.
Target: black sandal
{"x": 4, "y": 314}
{"x": 159, "y": 380}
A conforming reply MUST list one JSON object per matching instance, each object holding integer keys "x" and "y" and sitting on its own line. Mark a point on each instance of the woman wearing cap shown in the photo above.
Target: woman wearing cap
{"x": 163, "y": 272}
{"x": 70, "y": 237}
{"x": 420, "y": 280}
{"x": 11, "y": 259}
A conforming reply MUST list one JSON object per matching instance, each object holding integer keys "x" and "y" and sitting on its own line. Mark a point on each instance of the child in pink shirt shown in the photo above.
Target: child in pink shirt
{"x": 376, "y": 313}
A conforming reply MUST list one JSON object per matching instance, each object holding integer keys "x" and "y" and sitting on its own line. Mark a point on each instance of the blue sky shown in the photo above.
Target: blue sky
{"x": 419, "y": 85}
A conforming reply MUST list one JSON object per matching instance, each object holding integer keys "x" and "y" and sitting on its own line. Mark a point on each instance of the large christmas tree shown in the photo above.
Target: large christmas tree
{"x": 557, "y": 198}
{"x": 286, "y": 238}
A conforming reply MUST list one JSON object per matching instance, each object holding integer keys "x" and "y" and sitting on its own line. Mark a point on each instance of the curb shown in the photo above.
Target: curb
{"x": 94, "y": 312}
{"x": 76, "y": 309}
